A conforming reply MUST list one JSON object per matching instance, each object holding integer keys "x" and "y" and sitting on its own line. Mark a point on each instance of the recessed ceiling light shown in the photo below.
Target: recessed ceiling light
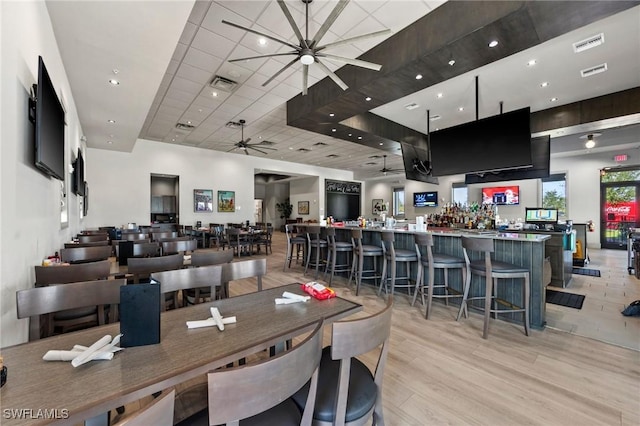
{"x": 381, "y": 143}
{"x": 334, "y": 129}
{"x": 199, "y": 109}
{"x": 214, "y": 94}
{"x": 368, "y": 98}
{"x": 493, "y": 43}
{"x": 291, "y": 148}
{"x": 262, "y": 41}
{"x": 532, "y": 63}
{"x": 188, "y": 122}
{"x": 114, "y": 82}
{"x": 544, "y": 84}
{"x": 553, "y": 99}
{"x": 109, "y": 142}
{"x": 439, "y": 95}
{"x": 419, "y": 77}
{"x": 331, "y": 114}
{"x": 452, "y": 62}
{"x": 350, "y": 134}
{"x": 359, "y": 137}
{"x": 111, "y": 121}
{"x": 461, "y": 109}
{"x": 590, "y": 144}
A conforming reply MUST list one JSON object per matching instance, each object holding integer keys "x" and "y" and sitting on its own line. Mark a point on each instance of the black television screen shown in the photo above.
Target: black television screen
{"x": 490, "y": 144}
{"x": 425, "y": 199}
{"x": 501, "y": 195}
{"x": 49, "y": 122}
{"x": 416, "y": 164}
{"x": 540, "y": 155}
{"x": 78, "y": 175}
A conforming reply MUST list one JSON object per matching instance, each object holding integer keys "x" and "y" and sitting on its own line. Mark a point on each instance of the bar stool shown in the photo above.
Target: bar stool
{"x": 492, "y": 270}
{"x": 360, "y": 251}
{"x": 335, "y": 247}
{"x": 433, "y": 261}
{"x": 294, "y": 243}
{"x": 393, "y": 256}
{"x": 315, "y": 245}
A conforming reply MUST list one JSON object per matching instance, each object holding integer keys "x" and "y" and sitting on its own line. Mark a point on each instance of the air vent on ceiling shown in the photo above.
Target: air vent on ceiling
{"x": 435, "y": 117}
{"x": 266, "y": 143}
{"x": 588, "y": 72}
{"x": 319, "y": 144}
{"x": 224, "y": 84}
{"x": 333, "y": 156}
{"x": 370, "y": 163}
{"x": 233, "y": 125}
{"x": 184, "y": 126}
{"x": 411, "y": 106}
{"x": 304, "y": 150}
{"x": 375, "y": 156}
{"x": 588, "y": 43}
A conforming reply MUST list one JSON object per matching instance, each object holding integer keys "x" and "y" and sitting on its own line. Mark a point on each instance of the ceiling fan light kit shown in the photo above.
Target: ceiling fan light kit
{"x": 309, "y": 51}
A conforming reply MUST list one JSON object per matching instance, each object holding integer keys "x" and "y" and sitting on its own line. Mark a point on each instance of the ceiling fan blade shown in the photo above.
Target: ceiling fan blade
{"x": 353, "y": 39}
{"x": 355, "y": 62}
{"x": 263, "y": 56}
{"x": 256, "y": 149}
{"x": 329, "y": 21}
{"x": 295, "y": 28}
{"x": 262, "y": 147}
{"x": 246, "y": 141}
{"x": 305, "y": 79}
{"x": 280, "y": 72}
{"x": 246, "y": 151}
{"x": 332, "y": 75}
{"x": 232, "y": 149}
{"x": 262, "y": 34}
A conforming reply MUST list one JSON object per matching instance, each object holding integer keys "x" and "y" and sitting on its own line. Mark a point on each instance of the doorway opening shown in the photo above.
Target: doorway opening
{"x": 619, "y": 197}
{"x": 165, "y": 196}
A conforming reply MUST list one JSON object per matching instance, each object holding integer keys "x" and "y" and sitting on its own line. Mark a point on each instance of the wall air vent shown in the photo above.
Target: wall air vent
{"x": 184, "y": 126}
{"x": 224, "y": 84}
{"x": 411, "y": 106}
{"x": 588, "y": 43}
{"x": 588, "y": 72}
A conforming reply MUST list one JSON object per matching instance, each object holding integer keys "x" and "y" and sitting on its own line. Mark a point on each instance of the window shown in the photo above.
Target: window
{"x": 398, "y": 201}
{"x": 554, "y": 194}
{"x": 459, "y": 193}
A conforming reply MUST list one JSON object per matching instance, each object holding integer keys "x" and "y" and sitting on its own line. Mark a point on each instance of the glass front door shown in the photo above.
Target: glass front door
{"x": 620, "y": 212}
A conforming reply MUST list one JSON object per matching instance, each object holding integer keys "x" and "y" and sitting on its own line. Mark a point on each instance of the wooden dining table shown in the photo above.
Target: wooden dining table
{"x": 92, "y": 389}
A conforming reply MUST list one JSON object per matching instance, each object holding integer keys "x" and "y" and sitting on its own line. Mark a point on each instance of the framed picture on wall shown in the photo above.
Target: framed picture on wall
{"x": 303, "y": 207}
{"x": 227, "y": 201}
{"x": 378, "y": 206}
{"x": 202, "y": 200}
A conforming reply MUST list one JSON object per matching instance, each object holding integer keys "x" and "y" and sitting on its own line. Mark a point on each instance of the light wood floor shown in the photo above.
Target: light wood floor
{"x": 442, "y": 372}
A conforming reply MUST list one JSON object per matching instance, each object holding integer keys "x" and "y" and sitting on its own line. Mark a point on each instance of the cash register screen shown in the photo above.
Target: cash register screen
{"x": 539, "y": 215}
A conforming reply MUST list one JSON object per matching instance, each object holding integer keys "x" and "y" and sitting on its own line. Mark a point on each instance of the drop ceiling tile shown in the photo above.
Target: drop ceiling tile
{"x": 249, "y": 115}
{"x": 244, "y": 52}
{"x": 184, "y": 85}
{"x": 285, "y": 91}
{"x": 368, "y": 25}
{"x": 199, "y": 11}
{"x": 188, "y": 33}
{"x": 201, "y": 60}
{"x": 213, "y": 22}
{"x": 172, "y": 67}
{"x": 178, "y": 54}
{"x": 350, "y": 17}
{"x": 176, "y": 103}
{"x": 238, "y": 101}
{"x": 260, "y": 108}
{"x": 212, "y": 43}
{"x": 371, "y": 6}
{"x": 194, "y": 74}
{"x": 250, "y": 92}
{"x": 207, "y": 101}
{"x": 234, "y": 72}
{"x": 229, "y": 111}
{"x": 396, "y": 17}
{"x": 249, "y": 9}
{"x": 179, "y": 95}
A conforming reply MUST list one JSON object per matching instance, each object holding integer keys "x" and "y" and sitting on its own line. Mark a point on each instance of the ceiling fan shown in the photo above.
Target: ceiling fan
{"x": 384, "y": 170}
{"x": 309, "y": 51}
{"x": 246, "y": 146}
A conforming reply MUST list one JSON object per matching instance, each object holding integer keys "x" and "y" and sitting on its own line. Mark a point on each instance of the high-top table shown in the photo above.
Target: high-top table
{"x": 76, "y": 394}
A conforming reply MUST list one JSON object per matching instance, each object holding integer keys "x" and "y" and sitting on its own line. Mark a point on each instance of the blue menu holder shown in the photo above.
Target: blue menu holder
{"x": 140, "y": 314}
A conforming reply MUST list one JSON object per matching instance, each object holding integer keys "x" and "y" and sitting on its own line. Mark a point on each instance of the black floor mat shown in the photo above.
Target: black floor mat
{"x": 562, "y": 298}
{"x": 586, "y": 271}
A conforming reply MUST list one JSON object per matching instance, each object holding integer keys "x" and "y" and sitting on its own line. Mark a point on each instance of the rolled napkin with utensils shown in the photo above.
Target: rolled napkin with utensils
{"x": 216, "y": 319}
{"x": 103, "y": 349}
{"x": 288, "y": 298}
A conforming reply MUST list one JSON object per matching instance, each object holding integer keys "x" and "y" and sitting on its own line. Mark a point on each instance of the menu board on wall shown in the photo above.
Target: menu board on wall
{"x": 342, "y": 187}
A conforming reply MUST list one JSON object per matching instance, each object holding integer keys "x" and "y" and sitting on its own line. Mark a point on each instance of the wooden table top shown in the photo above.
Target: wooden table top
{"x": 182, "y": 354}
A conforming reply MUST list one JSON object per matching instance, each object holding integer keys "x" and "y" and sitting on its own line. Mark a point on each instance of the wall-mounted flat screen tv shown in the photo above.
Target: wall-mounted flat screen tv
{"x": 490, "y": 144}
{"x": 425, "y": 199}
{"x": 78, "y": 175}
{"x": 540, "y": 157}
{"x": 49, "y": 126}
{"x": 416, "y": 164}
{"x": 501, "y": 195}
{"x": 539, "y": 215}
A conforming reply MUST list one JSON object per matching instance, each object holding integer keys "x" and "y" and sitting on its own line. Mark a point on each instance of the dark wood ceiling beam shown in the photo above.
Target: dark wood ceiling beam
{"x": 457, "y": 28}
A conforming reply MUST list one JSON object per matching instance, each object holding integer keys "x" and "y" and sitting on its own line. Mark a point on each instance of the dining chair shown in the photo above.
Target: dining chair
{"x": 134, "y": 236}
{"x": 206, "y": 258}
{"x": 85, "y": 254}
{"x": 171, "y": 282}
{"x": 94, "y": 232}
{"x": 217, "y": 236}
{"x": 141, "y": 267}
{"x": 263, "y": 237}
{"x": 159, "y": 235}
{"x": 261, "y": 392}
{"x": 46, "y": 275}
{"x": 238, "y": 243}
{"x": 142, "y": 248}
{"x": 92, "y": 238}
{"x": 90, "y": 244}
{"x": 244, "y": 269}
{"x": 34, "y": 302}
{"x": 179, "y": 246}
{"x": 295, "y": 243}
{"x": 348, "y": 392}
{"x": 158, "y": 413}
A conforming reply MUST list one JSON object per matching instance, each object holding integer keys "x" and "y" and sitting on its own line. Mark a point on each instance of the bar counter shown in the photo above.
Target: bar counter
{"x": 527, "y": 250}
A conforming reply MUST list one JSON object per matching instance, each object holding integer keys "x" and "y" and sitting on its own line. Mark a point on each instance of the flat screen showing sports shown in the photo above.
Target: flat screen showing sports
{"x": 501, "y": 195}
{"x": 425, "y": 199}
{"x": 541, "y": 215}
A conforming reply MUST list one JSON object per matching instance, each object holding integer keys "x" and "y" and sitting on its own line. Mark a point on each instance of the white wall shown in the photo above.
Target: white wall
{"x": 307, "y": 189}
{"x": 30, "y": 226}
{"x": 120, "y": 182}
